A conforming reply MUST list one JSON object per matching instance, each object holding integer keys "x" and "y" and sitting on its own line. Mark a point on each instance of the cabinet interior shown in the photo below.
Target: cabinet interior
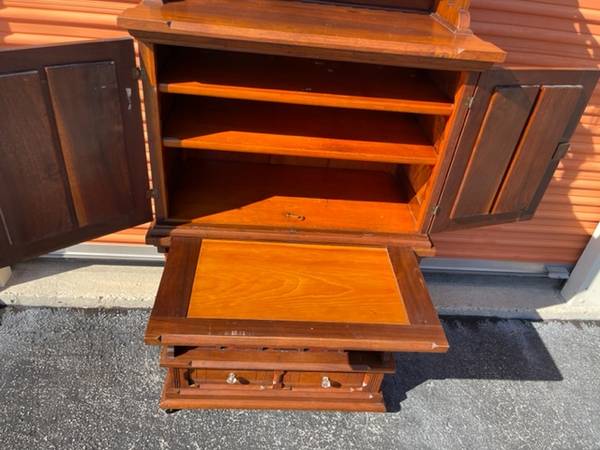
{"x": 296, "y": 143}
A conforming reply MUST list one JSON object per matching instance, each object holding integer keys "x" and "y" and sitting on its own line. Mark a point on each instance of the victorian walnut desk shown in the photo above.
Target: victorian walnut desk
{"x": 301, "y": 153}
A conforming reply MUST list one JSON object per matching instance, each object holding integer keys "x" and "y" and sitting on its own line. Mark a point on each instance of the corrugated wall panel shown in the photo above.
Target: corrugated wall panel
{"x": 549, "y": 33}
{"x": 545, "y": 33}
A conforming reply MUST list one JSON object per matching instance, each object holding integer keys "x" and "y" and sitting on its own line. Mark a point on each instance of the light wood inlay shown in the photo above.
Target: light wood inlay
{"x": 278, "y": 281}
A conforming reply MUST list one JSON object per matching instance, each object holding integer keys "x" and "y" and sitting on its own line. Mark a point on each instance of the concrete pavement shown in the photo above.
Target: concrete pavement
{"x": 93, "y": 284}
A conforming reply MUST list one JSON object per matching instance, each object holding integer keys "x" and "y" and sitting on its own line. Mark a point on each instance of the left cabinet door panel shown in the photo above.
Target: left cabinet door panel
{"x": 73, "y": 164}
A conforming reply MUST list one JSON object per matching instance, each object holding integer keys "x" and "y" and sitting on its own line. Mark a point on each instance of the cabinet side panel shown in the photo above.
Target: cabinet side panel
{"x": 33, "y": 196}
{"x": 85, "y": 100}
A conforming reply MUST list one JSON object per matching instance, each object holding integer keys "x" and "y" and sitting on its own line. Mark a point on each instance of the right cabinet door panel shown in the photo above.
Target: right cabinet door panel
{"x": 516, "y": 132}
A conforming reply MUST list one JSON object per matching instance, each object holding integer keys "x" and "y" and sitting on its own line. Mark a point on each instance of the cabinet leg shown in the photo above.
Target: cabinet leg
{"x": 5, "y": 274}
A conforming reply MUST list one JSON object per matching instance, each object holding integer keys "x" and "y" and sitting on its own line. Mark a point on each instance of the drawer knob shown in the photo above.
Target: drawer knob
{"x": 325, "y": 383}
{"x": 231, "y": 378}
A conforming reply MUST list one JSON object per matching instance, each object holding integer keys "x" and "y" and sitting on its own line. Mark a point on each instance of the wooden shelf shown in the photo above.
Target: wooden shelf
{"x": 212, "y": 192}
{"x": 302, "y": 81}
{"x": 296, "y": 130}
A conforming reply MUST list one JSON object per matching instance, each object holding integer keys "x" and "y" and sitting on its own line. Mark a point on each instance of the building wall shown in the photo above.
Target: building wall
{"x": 552, "y": 33}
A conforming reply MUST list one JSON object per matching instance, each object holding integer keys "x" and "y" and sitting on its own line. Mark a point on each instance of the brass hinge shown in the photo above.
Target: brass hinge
{"x": 435, "y": 210}
{"x": 151, "y": 193}
{"x": 136, "y": 73}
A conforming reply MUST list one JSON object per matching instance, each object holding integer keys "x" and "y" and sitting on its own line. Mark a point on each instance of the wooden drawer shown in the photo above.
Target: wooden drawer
{"x": 214, "y": 378}
{"x": 179, "y": 393}
{"x": 324, "y": 380}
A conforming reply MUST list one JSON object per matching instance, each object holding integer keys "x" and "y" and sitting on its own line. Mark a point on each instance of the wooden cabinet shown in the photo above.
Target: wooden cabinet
{"x": 301, "y": 154}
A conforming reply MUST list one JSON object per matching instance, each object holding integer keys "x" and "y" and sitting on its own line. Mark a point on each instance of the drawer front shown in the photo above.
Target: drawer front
{"x": 207, "y": 378}
{"x": 324, "y": 380}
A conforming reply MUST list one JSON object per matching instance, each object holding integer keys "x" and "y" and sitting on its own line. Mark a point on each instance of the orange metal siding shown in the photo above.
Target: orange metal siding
{"x": 549, "y": 33}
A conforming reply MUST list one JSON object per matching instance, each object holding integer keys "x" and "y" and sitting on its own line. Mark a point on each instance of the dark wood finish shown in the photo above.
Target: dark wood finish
{"x": 148, "y": 74}
{"x": 506, "y": 151}
{"x": 72, "y": 125}
{"x": 412, "y": 285}
{"x": 304, "y": 380}
{"x": 176, "y": 395}
{"x": 412, "y": 5}
{"x": 33, "y": 151}
{"x": 242, "y": 379}
{"x": 302, "y": 81}
{"x": 296, "y": 130}
{"x": 174, "y": 291}
{"x": 463, "y": 87}
{"x": 99, "y": 183}
{"x": 160, "y": 235}
{"x": 553, "y": 110}
{"x": 286, "y": 27}
{"x": 508, "y": 112}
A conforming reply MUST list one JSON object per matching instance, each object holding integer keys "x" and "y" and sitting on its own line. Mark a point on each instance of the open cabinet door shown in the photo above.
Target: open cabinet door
{"x": 72, "y": 156}
{"x": 516, "y": 132}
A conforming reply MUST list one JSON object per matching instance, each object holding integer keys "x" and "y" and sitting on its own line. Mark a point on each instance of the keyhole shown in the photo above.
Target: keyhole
{"x": 291, "y": 215}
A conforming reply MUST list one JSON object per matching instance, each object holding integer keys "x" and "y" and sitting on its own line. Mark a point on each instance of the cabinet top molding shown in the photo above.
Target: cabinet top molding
{"x": 438, "y": 37}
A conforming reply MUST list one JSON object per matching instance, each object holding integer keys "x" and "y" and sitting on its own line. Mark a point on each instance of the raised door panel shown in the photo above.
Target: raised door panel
{"x": 33, "y": 196}
{"x": 72, "y": 148}
{"x": 516, "y": 131}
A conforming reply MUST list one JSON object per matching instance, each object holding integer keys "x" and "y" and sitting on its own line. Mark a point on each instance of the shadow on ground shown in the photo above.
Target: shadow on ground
{"x": 479, "y": 350}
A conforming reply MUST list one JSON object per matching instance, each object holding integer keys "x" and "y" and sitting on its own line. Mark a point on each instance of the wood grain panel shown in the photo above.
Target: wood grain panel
{"x": 553, "y": 111}
{"x": 85, "y": 99}
{"x": 499, "y": 135}
{"x": 34, "y": 198}
{"x": 271, "y": 281}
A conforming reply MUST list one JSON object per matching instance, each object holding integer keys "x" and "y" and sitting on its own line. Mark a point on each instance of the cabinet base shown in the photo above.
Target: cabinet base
{"x": 315, "y": 402}
{"x": 178, "y": 397}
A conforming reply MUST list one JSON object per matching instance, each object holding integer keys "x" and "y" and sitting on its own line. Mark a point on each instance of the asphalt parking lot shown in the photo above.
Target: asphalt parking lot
{"x": 74, "y": 378}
